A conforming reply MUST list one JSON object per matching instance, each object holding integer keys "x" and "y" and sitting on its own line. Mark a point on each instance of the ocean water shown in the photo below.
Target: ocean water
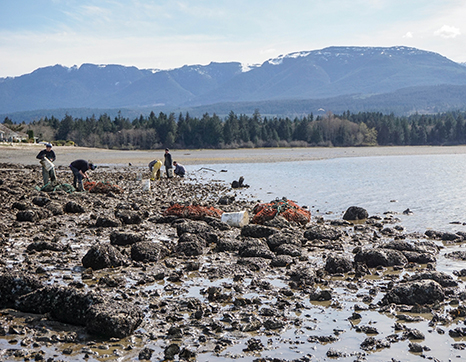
{"x": 433, "y": 187}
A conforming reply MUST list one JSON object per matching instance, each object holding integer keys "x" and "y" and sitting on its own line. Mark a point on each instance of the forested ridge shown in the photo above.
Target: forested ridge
{"x": 234, "y": 131}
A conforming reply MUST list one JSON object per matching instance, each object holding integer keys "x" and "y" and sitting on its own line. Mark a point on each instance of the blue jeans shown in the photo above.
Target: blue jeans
{"x": 77, "y": 179}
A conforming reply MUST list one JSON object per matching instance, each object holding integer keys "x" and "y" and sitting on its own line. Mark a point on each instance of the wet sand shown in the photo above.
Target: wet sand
{"x": 26, "y": 154}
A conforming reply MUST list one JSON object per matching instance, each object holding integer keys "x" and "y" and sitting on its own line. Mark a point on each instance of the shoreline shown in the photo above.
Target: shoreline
{"x": 26, "y": 154}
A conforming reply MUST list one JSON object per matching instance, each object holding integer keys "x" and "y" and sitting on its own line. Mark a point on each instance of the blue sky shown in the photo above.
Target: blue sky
{"x": 161, "y": 34}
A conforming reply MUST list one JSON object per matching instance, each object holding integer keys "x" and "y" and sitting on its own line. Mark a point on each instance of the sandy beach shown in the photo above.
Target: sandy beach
{"x": 26, "y": 154}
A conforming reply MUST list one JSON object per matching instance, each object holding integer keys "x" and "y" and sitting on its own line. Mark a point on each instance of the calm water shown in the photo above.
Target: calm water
{"x": 431, "y": 186}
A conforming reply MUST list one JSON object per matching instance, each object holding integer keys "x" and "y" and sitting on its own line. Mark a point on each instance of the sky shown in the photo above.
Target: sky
{"x": 159, "y": 34}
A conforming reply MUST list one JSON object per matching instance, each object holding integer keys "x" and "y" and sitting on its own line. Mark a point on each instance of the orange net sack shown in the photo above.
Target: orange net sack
{"x": 102, "y": 187}
{"x": 286, "y": 208}
{"x": 194, "y": 212}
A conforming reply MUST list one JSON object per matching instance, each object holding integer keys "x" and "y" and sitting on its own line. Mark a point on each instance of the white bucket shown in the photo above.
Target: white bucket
{"x": 170, "y": 172}
{"x": 47, "y": 164}
{"x": 237, "y": 219}
{"x": 146, "y": 185}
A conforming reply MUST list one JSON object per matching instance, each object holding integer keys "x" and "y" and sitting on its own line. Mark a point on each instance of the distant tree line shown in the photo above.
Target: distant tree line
{"x": 235, "y": 131}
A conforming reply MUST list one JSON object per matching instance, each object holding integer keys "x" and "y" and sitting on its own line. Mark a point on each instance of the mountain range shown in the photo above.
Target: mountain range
{"x": 400, "y": 79}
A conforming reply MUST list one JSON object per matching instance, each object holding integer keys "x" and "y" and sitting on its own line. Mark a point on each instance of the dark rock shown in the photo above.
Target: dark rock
{"x": 103, "y": 256}
{"x": 303, "y": 276}
{"x": 279, "y": 238}
{"x": 415, "y": 292}
{"x": 288, "y": 249}
{"x": 27, "y": 215}
{"x": 403, "y": 245}
{"x": 255, "y": 248}
{"x": 45, "y": 245}
{"x": 19, "y": 206}
{"x": 193, "y": 227}
{"x": 148, "y": 251}
{"x": 64, "y": 304}
{"x": 217, "y": 224}
{"x": 119, "y": 238}
{"x": 55, "y": 208}
{"x": 320, "y": 295}
{"x": 443, "y": 279}
{"x": 113, "y": 319}
{"x": 194, "y": 247}
{"x": 459, "y": 255}
{"x": 145, "y": 353}
{"x": 336, "y": 264}
{"x": 40, "y": 201}
{"x": 257, "y": 231}
{"x": 225, "y": 244}
{"x": 322, "y": 232}
{"x": 106, "y": 222}
{"x": 281, "y": 261}
{"x": 355, "y": 213}
{"x": 15, "y": 284}
{"x": 380, "y": 257}
{"x": 419, "y": 258}
{"x": 171, "y": 351}
{"x": 74, "y": 208}
{"x": 128, "y": 217}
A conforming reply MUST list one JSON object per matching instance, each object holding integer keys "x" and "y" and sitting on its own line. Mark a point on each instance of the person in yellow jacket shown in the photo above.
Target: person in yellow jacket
{"x": 154, "y": 167}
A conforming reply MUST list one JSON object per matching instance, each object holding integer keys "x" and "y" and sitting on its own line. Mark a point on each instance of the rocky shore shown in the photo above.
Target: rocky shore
{"x": 111, "y": 276}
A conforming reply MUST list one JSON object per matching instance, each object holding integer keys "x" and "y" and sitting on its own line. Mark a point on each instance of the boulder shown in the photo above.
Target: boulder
{"x": 355, "y": 213}
{"x": 380, "y": 257}
{"x": 26, "y": 215}
{"x": 337, "y": 264}
{"x": 257, "y": 231}
{"x": 415, "y": 292}
{"x": 322, "y": 232}
{"x": 255, "y": 248}
{"x": 193, "y": 227}
{"x": 74, "y": 208}
{"x": 277, "y": 239}
{"x": 103, "y": 256}
{"x": 106, "y": 222}
{"x": 40, "y": 201}
{"x": 113, "y": 319}
{"x": 122, "y": 239}
{"x": 148, "y": 251}
{"x": 129, "y": 217}
{"x": 15, "y": 284}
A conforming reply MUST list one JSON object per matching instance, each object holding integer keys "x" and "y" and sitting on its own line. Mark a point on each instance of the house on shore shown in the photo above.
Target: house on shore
{"x": 8, "y": 135}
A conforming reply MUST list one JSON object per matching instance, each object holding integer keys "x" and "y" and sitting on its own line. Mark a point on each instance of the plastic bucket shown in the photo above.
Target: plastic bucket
{"x": 47, "y": 164}
{"x": 237, "y": 219}
{"x": 170, "y": 172}
{"x": 146, "y": 185}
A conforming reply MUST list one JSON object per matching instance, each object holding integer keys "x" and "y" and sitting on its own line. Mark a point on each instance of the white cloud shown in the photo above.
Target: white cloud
{"x": 408, "y": 35}
{"x": 447, "y": 31}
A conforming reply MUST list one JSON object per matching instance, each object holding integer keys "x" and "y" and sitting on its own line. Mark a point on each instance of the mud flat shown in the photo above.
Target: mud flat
{"x": 25, "y": 154}
{"x": 112, "y": 276}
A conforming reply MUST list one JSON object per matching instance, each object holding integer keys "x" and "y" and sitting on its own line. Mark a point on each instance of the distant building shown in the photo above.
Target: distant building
{"x": 7, "y": 135}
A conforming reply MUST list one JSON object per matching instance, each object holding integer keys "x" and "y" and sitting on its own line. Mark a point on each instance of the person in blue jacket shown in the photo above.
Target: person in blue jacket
{"x": 179, "y": 169}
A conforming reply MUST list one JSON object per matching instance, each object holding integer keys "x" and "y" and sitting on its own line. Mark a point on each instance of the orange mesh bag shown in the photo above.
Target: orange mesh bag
{"x": 194, "y": 212}
{"x": 286, "y": 208}
{"x": 102, "y": 187}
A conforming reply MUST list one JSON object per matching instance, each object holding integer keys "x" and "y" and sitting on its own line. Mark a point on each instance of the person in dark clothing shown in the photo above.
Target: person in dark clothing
{"x": 48, "y": 171}
{"x": 167, "y": 161}
{"x": 79, "y": 168}
{"x": 179, "y": 169}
